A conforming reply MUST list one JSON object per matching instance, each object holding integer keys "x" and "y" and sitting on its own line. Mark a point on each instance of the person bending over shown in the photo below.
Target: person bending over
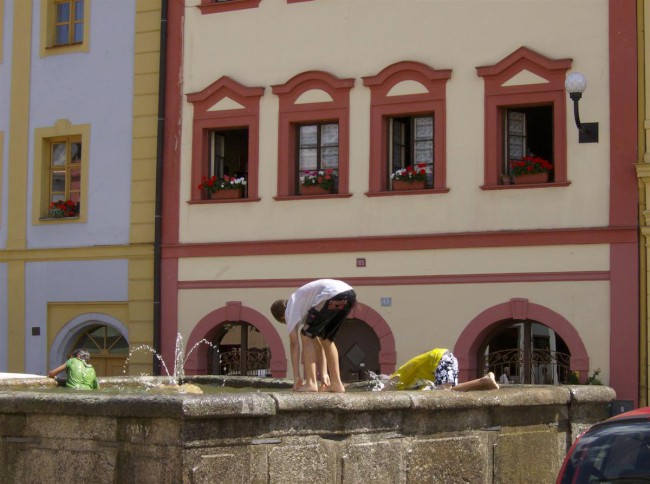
{"x": 314, "y": 314}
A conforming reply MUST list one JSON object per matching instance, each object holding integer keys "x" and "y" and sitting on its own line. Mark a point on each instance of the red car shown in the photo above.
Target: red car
{"x": 615, "y": 450}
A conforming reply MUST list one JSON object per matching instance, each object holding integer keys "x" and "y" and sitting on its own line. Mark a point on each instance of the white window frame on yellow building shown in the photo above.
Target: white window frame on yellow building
{"x": 48, "y": 30}
{"x": 43, "y": 139}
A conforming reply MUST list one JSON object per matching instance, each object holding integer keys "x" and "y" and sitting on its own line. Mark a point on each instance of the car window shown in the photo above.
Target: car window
{"x": 612, "y": 453}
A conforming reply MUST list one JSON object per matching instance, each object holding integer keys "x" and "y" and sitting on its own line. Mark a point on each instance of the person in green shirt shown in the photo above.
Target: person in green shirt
{"x": 80, "y": 374}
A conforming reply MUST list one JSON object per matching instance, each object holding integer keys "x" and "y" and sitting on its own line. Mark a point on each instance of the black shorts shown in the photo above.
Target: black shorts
{"x": 326, "y": 322}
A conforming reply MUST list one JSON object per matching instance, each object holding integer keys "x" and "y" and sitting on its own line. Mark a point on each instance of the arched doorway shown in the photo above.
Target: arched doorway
{"x": 358, "y": 347}
{"x": 108, "y": 348}
{"x": 238, "y": 348}
{"x": 470, "y": 346}
{"x": 529, "y": 351}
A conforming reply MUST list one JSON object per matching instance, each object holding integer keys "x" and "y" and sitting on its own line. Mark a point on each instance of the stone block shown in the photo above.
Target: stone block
{"x": 71, "y": 427}
{"x": 542, "y": 450}
{"x": 69, "y": 465}
{"x": 309, "y": 464}
{"x": 452, "y": 459}
{"x": 376, "y": 462}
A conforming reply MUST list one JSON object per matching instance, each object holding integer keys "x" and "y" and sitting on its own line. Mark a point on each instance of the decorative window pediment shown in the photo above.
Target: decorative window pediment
{"x": 407, "y": 127}
{"x": 225, "y": 136}
{"x": 525, "y": 117}
{"x": 313, "y": 131}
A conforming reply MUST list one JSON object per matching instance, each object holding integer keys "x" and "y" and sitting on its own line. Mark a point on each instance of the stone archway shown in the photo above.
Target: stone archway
{"x": 470, "y": 340}
{"x": 234, "y": 311}
{"x": 64, "y": 340}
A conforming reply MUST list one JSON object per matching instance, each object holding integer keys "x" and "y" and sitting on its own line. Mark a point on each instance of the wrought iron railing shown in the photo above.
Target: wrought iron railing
{"x": 544, "y": 367}
{"x": 257, "y": 363}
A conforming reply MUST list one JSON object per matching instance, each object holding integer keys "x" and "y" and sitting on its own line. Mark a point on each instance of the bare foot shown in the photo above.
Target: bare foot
{"x": 335, "y": 389}
{"x": 307, "y": 388}
{"x": 323, "y": 387}
{"x": 491, "y": 382}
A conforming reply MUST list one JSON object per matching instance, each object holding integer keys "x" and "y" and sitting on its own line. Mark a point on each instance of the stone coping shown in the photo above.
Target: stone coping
{"x": 14, "y": 398}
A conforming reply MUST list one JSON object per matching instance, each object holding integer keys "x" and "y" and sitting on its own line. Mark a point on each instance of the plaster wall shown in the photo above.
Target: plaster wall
{"x": 94, "y": 88}
{"x": 360, "y": 45}
{"x": 4, "y": 317}
{"x": 485, "y": 260}
{"x": 422, "y": 317}
{"x": 65, "y": 281}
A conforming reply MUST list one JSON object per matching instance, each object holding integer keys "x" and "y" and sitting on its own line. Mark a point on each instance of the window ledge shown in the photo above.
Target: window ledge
{"x": 532, "y": 185}
{"x": 225, "y": 200}
{"x": 392, "y": 193}
{"x": 284, "y": 198}
{"x": 49, "y": 220}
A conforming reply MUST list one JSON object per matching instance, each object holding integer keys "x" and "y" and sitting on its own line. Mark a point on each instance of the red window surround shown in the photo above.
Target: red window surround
{"x": 383, "y": 106}
{"x": 205, "y": 120}
{"x": 292, "y": 113}
{"x": 209, "y": 6}
{"x": 498, "y": 95}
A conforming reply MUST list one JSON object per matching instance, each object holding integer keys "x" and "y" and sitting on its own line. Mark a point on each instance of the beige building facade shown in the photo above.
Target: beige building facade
{"x": 474, "y": 261}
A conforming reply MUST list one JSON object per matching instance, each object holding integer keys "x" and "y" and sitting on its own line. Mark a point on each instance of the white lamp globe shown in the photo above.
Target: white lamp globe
{"x": 575, "y": 82}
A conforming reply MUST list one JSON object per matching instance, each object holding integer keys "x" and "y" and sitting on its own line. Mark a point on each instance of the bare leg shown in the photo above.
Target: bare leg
{"x": 310, "y": 383}
{"x": 485, "y": 383}
{"x": 332, "y": 356}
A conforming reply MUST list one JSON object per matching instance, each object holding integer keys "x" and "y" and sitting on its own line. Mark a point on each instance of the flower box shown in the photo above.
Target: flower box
{"x": 400, "y": 185}
{"x": 227, "y": 194}
{"x": 530, "y": 178}
{"x": 313, "y": 190}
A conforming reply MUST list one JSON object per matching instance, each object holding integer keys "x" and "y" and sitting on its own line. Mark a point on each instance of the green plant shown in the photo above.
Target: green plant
{"x": 215, "y": 183}
{"x": 411, "y": 174}
{"x": 593, "y": 379}
{"x": 529, "y": 165}
{"x": 63, "y": 208}
{"x": 326, "y": 179}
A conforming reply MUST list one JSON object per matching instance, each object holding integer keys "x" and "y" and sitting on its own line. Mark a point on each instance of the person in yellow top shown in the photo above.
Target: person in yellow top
{"x": 436, "y": 369}
{"x": 80, "y": 374}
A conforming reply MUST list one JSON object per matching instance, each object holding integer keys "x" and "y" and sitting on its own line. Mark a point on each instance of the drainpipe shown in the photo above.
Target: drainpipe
{"x": 159, "y": 178}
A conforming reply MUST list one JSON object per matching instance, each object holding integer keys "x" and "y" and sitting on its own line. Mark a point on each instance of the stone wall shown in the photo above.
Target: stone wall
{"x": 516, "y": 434}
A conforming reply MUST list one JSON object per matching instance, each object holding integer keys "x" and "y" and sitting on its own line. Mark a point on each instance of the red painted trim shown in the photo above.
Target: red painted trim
{"x": 234, "y": 311}
{"x": 579, "y": 236}
{"x": 406, "y": 280}
{"x": 498, "y": 96}
{"x": 383, "y": 107}
{"x": 171, "y": 168}
{"x": 624, "y": 322}
{"x": 623, "y": 112}
{"x": 291, "y": 113}
{"x": 477, "y": 331}
{"x": 209, "y": 7}
{"x": 623, "y": 194}
{"x": 298, "y": 1}
{"x": 206, "y": 120}
{"x": 171, "y": 143}
{"x": 169, "y": 308}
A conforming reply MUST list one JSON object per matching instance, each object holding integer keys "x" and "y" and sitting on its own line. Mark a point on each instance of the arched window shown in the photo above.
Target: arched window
{"x": 531, "y": 352}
